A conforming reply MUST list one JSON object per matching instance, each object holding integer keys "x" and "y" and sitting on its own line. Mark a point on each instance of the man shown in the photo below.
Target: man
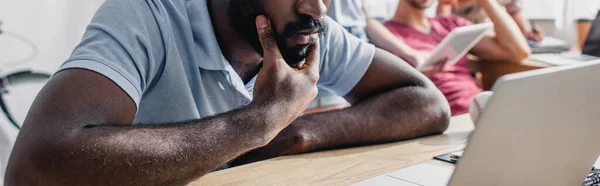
{"x": 162, "y": 92}
{"x": 349, "y": 14}
{"x": 475, "y": 13}
{"x": 352, "y": 15}
{"x": 412, "y": 27}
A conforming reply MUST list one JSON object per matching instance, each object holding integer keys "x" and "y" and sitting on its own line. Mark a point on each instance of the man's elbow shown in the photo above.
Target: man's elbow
{"x": 442, "y": 118}
{"x": 34, "y": 164}
{"x": 518, "y": 54}
{"x": 21, "y": 170}
{"x": 521, "y": 54}
{"x": 437, "y": 112}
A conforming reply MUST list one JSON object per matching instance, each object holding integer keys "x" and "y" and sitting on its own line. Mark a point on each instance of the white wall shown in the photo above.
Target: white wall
{"x": 55, "y": 26}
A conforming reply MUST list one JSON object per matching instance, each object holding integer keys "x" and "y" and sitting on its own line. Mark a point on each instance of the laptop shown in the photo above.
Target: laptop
{"x": 540, "y": 128}
{"x": 590, "y": 51}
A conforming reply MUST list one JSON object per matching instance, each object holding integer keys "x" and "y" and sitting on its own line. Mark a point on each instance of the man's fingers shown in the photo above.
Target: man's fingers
{"x": 267, "y": 38}
{"x": 442, "y": 65}
{"x": 313, "y": 60}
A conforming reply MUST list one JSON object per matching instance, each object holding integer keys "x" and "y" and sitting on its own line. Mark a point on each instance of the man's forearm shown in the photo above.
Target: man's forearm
{"x": 132, "y": 155}
{"x": 401, "y": 114}
{"x": 381, "y": 37}
{"x": 522, "y": 22}
{"x": 443, "y": 10}
{"x": 508, "y": 33}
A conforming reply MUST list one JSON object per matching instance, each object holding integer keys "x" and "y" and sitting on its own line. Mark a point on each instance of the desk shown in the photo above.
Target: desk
{"x": 346, "y": 166}
{"x": 492, "y": 70}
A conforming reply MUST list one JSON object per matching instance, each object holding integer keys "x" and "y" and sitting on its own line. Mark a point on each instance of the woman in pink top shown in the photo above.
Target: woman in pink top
{"x": 418, "y": 35}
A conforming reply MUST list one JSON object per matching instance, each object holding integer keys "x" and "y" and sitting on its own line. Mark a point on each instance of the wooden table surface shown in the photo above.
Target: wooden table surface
{"x": 492, "y": 70}
{"x": 346, "y": 166}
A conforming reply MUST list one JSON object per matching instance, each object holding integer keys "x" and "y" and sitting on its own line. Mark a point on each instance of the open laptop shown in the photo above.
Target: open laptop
{"x": 590, "y": 51}
{"x": 540, "y": 128}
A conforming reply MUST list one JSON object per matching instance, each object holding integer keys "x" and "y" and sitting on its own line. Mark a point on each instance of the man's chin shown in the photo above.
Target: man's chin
{"x": 295, "y": 55}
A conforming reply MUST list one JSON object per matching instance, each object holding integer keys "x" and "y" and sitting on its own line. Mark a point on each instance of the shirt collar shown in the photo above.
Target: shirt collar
{"x": 208, "y": 49}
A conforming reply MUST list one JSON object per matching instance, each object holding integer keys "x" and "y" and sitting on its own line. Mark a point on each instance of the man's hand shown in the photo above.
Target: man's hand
{"x": 415, "y": 57}
{"x": 536, "y": 34}
{"x": 287, "y": 89}
{"x": 434, "y": 69}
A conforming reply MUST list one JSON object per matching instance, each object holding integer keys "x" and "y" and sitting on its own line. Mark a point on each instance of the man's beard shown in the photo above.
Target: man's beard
{"x": 418, "y": 5}
{"x": 242, "y": 16}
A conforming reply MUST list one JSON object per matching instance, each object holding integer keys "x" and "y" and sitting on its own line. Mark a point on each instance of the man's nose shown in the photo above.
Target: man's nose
{"x": 314, "y": 8}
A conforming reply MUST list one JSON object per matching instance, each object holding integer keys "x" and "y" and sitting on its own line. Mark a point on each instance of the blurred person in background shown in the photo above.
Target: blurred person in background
{"x": 423, "y": 34}
{"x": 353, "y": 18}
{"x": 473, "y": 11}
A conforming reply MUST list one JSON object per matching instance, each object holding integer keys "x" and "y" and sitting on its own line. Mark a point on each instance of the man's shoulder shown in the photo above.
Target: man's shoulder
{"x": 450, "y": 18}
{"x": 452, "y": 21}
{"x": 395, "y": 26}
{"x": 150, "y": 8}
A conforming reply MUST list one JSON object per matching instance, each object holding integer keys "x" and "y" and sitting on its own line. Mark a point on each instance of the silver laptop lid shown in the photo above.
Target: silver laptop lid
{"x": 540, "y": 128}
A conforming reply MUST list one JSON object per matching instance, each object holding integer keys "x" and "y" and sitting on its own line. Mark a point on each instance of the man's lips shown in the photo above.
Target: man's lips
{"x": 304, "y": 37}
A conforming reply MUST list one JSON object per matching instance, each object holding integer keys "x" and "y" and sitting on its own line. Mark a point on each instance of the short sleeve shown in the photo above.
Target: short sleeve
{"x": 459, "y": 21}
{"x": 123, "y": 42}
{"x": 344, "y": 59}
{"x": 451, "y": 22}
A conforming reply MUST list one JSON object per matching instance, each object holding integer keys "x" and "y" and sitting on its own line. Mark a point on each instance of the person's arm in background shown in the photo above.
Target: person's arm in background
{"x": 443, "y": 10}
{"x": 508, "y": 43}
{"x": 532, "y": 33}
{"x": 383, "y": 38}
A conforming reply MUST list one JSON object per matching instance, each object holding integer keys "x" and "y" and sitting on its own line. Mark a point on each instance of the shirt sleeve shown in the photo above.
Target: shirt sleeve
{"x": 457, "y": 21}
{"x": 123, "y": 42}
{"x": 344, "y": 59}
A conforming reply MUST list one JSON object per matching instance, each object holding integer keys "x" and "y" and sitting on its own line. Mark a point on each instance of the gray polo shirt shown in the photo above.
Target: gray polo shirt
{"x": 349, "y": 13}
{"x": 165, "y": 56}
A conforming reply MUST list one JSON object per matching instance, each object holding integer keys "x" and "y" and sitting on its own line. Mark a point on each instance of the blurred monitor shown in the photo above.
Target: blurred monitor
{"x": 592, "y": 44}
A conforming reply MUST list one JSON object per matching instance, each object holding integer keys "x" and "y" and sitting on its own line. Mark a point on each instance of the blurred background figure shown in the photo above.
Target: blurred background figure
{"x": 473, "y": 12}
{"x": 410, "y": 25}
{"x": 352, "y": 16}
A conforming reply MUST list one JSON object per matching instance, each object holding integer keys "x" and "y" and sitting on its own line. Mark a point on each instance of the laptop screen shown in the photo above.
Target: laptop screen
{"x": 592, "y": 44}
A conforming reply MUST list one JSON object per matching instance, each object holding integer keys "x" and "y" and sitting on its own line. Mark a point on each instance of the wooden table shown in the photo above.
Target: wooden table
{"x": 492, "y": 70}
{"x": 346, "y": 166}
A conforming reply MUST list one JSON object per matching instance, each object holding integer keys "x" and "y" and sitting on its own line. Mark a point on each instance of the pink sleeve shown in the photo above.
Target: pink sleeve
{"x": 452, "y": 21}
{"x": 460, "y": 21}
